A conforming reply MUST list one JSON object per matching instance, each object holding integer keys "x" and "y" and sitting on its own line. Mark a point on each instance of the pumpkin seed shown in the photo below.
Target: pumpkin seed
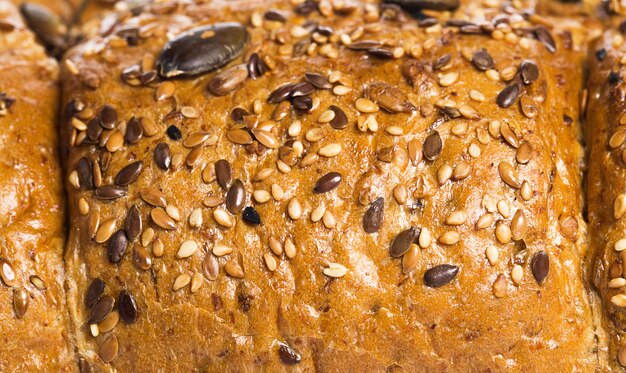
{"x": 528, "y": 71}
{"x": 127, "y": 307}
{"x": 162, "y": 156}
{"x": 94, "y": 292}
{"x": 440, "y": 275}
{"x": 109, "y": 349}
{"x": 402, "y": 242}
{"x": 117, "y": 247}
{"x": 509, "y": 95}
{"x": 48, "y": 27}
{"x": 482, "y": 60}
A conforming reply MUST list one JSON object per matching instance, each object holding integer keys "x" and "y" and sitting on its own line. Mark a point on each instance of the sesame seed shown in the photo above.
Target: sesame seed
{"x": 620, "y": 245}
{"x": 619, "y": 206}
{"x": 335, "y": 270}
{"x": 261, "y": 196}
{"x": 196, "y": 282}
{"x": 290, "y": 248}
{"x": 450, "y": 238}
{"x": 492, "y": 255}
{"x": 425, "y": 238}
{"x": 503, "y": 232}
{"x": 195, "y": 218}
{"x": 617, "y": 283}
{"x": 330, "y": 150}
{"x": 456, "y": 218}
{"x": 366, "y": 106}
{"x": 318, "y": 213}
{"x": 484, "y": 221}
{"x": 223, "y": 218}
{"x": 270, "y": 262}
{"x": 329, "y": 220}
{"x": 619, "y": 300}
{"x": 181, "y": 281}
{"x": 294, "y": 209}
{"x": 448, "y": 79}
{"x": 187, "y": 249}
{"x": 221, "y": 250}
{"x": 517, "y": 274}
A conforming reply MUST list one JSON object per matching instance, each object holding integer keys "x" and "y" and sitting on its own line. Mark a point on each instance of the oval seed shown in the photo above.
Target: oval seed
{"x": 223, "y": 218}
{"x": 109, "y": 192}
{"x": 409, "y": 260}
{"x": 509, "y": 95}
{"x": 109, "y": 322}
{"x": 508, "y": 135}
{"x": 109, "y": 349}
{"x": 330, "y": 150}
{"x": 117, "y": 247}
{"x": 540, "y": 266}
{"x": 270, "y": 262}
{"x": 619, "y": 206}
{"x": 162, "y": 156}
{"x": 440, "y": 275}
{"x": 223, "y": 173}
{"x": 210, "y": 267}
{"x": 509, "y": 175}
{"x": 235, "y": 197}
{"x": 141, "y": 259}
{"x": 403, "y": 241}
{"x": 456, "y": 218}
{"x": 335, "y": 270}
{"x": 187, "y": 249}
{"x": 129, "y": 173}
{"x": 221, "y": 250}
{"x": 233, "y": 270}
{"x": 20, "y": 302}
{"x": 432, "y": 146}
{"x": 519, "y": 226}
{"x": 181, "y": 281}
{"x": 162, "y": 219}
{"x": 127, "y": 307}
{"x": 133, "y": 224}
{"x": 621, "y": 356}
{"x": 327, "y": 183}
{"x": 94, "y": 292}
{"x": 524, "y": 153}
{"x": 101, "y": 309}
{"x": 105, "y": 231}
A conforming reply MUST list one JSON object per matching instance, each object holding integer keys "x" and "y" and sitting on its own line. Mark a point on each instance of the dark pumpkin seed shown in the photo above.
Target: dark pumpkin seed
{"x": 108, "y": 117}
{"x": 528, "y": 71}
{"x": 133, "y": 224}
{"x": 251, "y": 216}
{"x": 20, "y": 302}
{"x": 543, "y": 35}
{"x": 280, "y": 94}
{"x": 129, "y": 173}
{"x": 118, "y": 243}
{"x": 389, "y": 98}
{"x": 340, "y": 121}
{"x": 228, "y": 80}
{"x": 162, "y": 156}
{"x": 432, "y": 146}
{"x": 134, "y": 131}
{"x": 85, "y": 174}
{"x": 235, "y": 197}
{"x": 402, "y": 243}
{"x": 173, "y": 132}
{"x": 94, "y": 292}
{"x": 540, "y": 266}
{"x": 109, "y": 192}
{"x": 101, "y": 309}
{"x": 440, "y": 275}
{"x": 202, "y": 49}
{"x": 288, "y": 355}
{"x": 48, "y": 27}
{"x": 318, "y": 80}
{"x": 373, "y": 218}
{"x": 302, "y": 89}
{"x": 275, "y": 15}
{"x": 127, "y": 307}
{"x": 327, "y": 182}
{"x": 415, "y": 5}
{"x": 482, "y": 60}
{"x": 509, "y": 95}
{"x": 252, "y": 66}
{"x": 223, "y": 173}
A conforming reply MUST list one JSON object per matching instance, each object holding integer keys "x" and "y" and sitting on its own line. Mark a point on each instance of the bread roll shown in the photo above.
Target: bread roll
{"x": 327, "y": 188}
{"x": 33, "y": 312}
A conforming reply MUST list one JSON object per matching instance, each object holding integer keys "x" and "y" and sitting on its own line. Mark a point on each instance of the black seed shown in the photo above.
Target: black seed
{"x": 134, "y": 131}
{"x": 442, "y": 61}
{"x": 174, "y": 133}
{"x": 129, "y": 173}
{"x": 235, "y": 197}
{"x": 252, "y": 64}
{"x": 251, "y": 216}
{"x": 300, "y": 48}
{"x": 324, "y": 30}
{"x": 280, "y": 94}
{"x": 288, "y": 355}
{"x": 364, "y": 45}
{"x": 275, "y": 15}
{"x": 509, "y": 95}
{"x": 94, "y": 292}
{"x": 613, "y": 78}
{"x": 543, "y": 35}
{"x": 303, "y": 103}
{"x": 306, "y": 8}
{"x": 302, "y": 89}
{"x": 202, "y": 49}
{"x": 223, "y": 173}
{"x": 133, "y": 223}
{"x": 327, "y": 182}
{"x": 373, "y": 218}
{"x": 528, "y": 71}
{"x": 148, "y": 77}
{"x": 162, "y": 156}
{"x": 318, "y": 80}
{"x": 127, "y": 307}
{"x": 340, "y": 121}
{"x": 540, "y": 266}
{"x": 601, "y": 54}
{"x": 622, "y": 27}
{"x": 101, "y": 309}
{"x": 432, "y": 146}
{"x": 94, "y": 129}
{"x": 415, "y": 5}
{"x": 118, "y": 243}
{"x": 108, "y": 117}
{"x": 85, "y": 174}
{"x": 440, "y": 275}
{"x": 402, "y": 243}
{"x": 238, "y": 114}
{"x": 380, "y": 53}
{"x": 482, "y": 60}
{"x": 109, "y": 192}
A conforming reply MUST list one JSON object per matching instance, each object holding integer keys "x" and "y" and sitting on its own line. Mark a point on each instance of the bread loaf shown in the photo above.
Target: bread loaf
{"x": 34, "y": 326}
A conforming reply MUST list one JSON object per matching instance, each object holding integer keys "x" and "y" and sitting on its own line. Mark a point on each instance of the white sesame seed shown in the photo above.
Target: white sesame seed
{"x": 277, "y": 192}
{"x": 261, "y": 196}
{"x": 294, "y": 209}
{"x": 173, "y": 212}
{"x": 295, "y": 128}
{"x": 270, "y": 261}
{"x": 476, "y": 96}
{"x": 330, "y": 150}
{"x": 619, "y": 206}
{"x": 492, "y": 255}
{"x": 617, "y": 283}
{"x": 223, "y": 218}
{"x": 195, "y": 218}
{"x": 196, "y": 281}
{"x": 394, "y": 130}
{"x": 181, "y": 281}
{"x": 290, "y": 248}
{"x": 620, "y": 245}
{"x": 503, "y": 232}
{"x": 504, "y": 209}
{"x": 619, "y": 300}
{"x": 456, "y": 218}
{"x": 444, "y": 174}
{"x": 450, "y": 238}
{"x": 335, "y": 270}
{"x": 517, "y": 274}
{"x": 425, "y": 238}
{"x": 318, "y": 213}
{"x": 448, "y": 79}
{"x": 326, "y": 116}
{"x": 329, "y": 220}
{"x": 366, "y": 106}
{"x": 187, "y": 249}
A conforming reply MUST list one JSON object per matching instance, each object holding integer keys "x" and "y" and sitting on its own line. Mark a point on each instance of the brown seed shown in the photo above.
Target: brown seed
{"x": 115, "y": 141}
{"x": 543, "y": 35}
{"x": 94, "y": 292}
{"x": 165, "y": 91}
{"x": 621, "y": 357}
{"x": 37, "y": 282}
{"x": 528, "y": 106}
{"x": 101, "y": 309}
{"x": 340, "y": 120}
{"x": 432, "y": 146}
{"x": 117, "y": 246}
{"x": 133, "y": 224}
{"x": 327, "y": 182}
{"x": 228, "y": 80}
{"x": 318, "y": 80}
{"x": 509, "y": 95}
{"x": 440, "y": 275}
{"x": 528, "y": 71}
{"x": 509, "y": 136}
{"x": 129, "y": 173}
{"x": 223, "y": 173}
{"x": 108, "y": 117}
{"x": 373, "y": 217}
{"x": 482, "y": 60}
{"x": 195, "y": 139}
{"x": 85, "y": 174}
{"x": 403, "y": 241}
{"x": 141, "y": 258}
{"x": 288, "y": 355}
{"x": 388, "y": 97}
{"x": 415, "y": 152}
{"x": 109, "y": 192}
{"x": 109, "y": 349}
{"x": 194, "y": 156}
{"x": 499, "y": 287}
{"x": 210, "y": 267}
{"x": 519, "y": 226}
{"x": 127, "y": 307}
{"x": 540, "y": 266}
{"x": 239, "y": 136}
{"x": 233, "y": 269}
{"x": 20, "y": 302}
{"x": 235, "y": 197}
{"x": 149, "y": 127}
{"x": 524, "y": 153}
{"x": 409, "y": 260}
{"x": 509, "y": 175}
{"x": 162, "y": 156}
{"x": 568, "y": 226}
{"x": 162, "y": 219}
{"x": 109, "y": 322}
{"x": 105, "y": 231}
{"x": 153, "y": 196}
{"x": 266, "y": 138}
{"x": 134, "y": 131}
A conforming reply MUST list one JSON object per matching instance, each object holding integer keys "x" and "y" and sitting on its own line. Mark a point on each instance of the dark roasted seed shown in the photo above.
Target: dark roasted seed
{"x": 288, "y": 355}
{"x": 251, "y": 216}
{"x": 223, "y": 173}
{"x": 340, "y": 121}
{"x": 20, "y": 302}
{"x": 528, "y": 71}
{"x": 327, "y": 182}
{"x": 402, "y": 243}
{"x": 252, "y": 66}
{"x": 380, "y": 53}
{"x": 363, "y": 45}
{"x": 275, "y": 15}
{"x": 235, "y": 197}
{"x": 305, "y": 8}
{"x": 601, "y": 54}
{"x": 118, "y": 243}
{"x": 238, "y": 114}
{"x": 101, "y": 309}
{"x": 109, "y": 192}
{"x": 373, "y": 218}
{"x": 482, "y": 60}
{"x": 133, "y": 224}
{"x": 540, "y": 266}
{"x": 415, "y": 5}
{"x": 318, "y": 80}
{"x": 127, "y": 307}
{"x": 134, "y": 131}
{"x": 94, "y": 292}
{"x": 173, "y": 132}
{"x": 389, "y": 98}
{"x": 442, "y": 61}
{"x": 432, "y": 146}
{"x": 108, "y": 117}
{"x": 94, "y": 129}
{"x": 303, "y": 103}
{"x": 302, "y": 89}
{"x": 440, "y": 275}
{"x": 85, "y": 174}
{"x": 129, "y": 173}
{"x": 543, "y": 35}
{"x": 509, "y": 95}
{"x": 162, "y": 156}
{"x": 202, "y": 49}
{"x": 280, "y": 94}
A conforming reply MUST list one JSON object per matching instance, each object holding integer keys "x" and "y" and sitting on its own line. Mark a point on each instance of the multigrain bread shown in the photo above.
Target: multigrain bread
{"x": 34, "y": 331}
{"x": 415, "y": 206}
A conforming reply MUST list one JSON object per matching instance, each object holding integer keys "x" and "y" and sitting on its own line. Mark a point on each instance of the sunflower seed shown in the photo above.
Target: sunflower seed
{"x": 202, "y": 49}
{"x": 402, "y": 242}
{"x": 85, "y": 174}
{"x": 223, "y": 173}
{"x": 162, "y": 156}
{"x": 543, "y": 35}
{"x": 440, "y": 275}
{"x": 117, "y": 246}
{"x": 373, "y": 218}
{"x": 482, "y": 60}
{"x": 528, "y": 71}
{"x": 48, "y": 27}
{"x": 101, "y": 309}
{"x": 318, "y": 80}
{"x": 327, "y": 182}
{"x": 540, "y": 266}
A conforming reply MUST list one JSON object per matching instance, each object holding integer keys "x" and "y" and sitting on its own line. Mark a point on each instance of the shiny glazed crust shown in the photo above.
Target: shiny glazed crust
{"x": 32, "y": 237}
{"x": 493, "y": 315}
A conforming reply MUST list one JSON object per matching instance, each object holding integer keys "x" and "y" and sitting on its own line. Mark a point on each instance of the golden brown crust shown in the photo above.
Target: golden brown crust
{"x": 32, "y": 237}
{"x": 373, "y": 317}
